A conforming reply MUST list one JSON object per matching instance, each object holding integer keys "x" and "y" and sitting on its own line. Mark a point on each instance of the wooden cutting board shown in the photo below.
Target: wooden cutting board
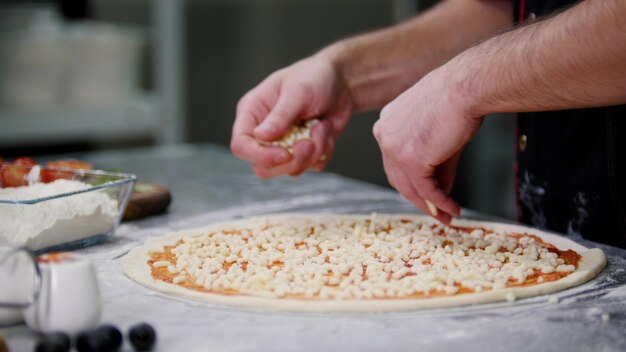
{"x": 147, "y": 199}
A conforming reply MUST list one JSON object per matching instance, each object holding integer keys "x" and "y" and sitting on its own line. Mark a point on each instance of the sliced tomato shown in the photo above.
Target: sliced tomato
{"x": 48, "y": 175}
{"x": 24, "y": 161}
{"x": 14, "y": 176}
{"x": 69, "y": 164}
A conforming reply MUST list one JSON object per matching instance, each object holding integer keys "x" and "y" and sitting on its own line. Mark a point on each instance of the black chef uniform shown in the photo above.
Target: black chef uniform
{"x": 571, "y": 164}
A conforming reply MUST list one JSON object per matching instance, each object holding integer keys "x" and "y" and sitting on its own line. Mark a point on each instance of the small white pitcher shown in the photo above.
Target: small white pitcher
{"x": 51, "y": 292}
{"x": 70, "y": 297}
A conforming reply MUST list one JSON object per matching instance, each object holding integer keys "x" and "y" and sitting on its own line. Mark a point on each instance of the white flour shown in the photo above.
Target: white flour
{"x": 57, "y": 221}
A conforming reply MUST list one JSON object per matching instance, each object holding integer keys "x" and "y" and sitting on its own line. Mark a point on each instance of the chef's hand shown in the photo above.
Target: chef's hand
{"x": 311, "y": 88}
{"x": 421, "y": 134}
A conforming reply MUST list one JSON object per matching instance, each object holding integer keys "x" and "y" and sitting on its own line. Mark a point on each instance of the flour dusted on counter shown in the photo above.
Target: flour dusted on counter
{"x": 56, "y": 221}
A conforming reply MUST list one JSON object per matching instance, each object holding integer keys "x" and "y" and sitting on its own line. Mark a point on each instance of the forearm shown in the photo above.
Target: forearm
{"x": 576, "y": 59}
{"x": 380, "y": 65}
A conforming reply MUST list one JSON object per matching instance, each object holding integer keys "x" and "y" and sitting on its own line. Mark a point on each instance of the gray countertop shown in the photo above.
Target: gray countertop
{"x": 209, "y": 185}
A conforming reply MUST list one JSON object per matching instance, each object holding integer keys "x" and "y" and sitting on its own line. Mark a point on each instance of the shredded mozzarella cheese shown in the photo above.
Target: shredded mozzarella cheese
{"x": 296, "y": 133}
{"x": 375, "y": 257}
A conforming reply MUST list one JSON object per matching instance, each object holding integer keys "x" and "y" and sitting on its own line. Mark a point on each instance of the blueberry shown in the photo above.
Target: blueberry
{"x": 113, "y": 337}
{"x": 53, "y": 342}
{"x": 142, "y": 336}
{"x": 92, "y": 341}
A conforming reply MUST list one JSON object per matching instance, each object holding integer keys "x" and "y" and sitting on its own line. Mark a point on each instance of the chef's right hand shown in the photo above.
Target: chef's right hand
{"x": 311, "y": 88}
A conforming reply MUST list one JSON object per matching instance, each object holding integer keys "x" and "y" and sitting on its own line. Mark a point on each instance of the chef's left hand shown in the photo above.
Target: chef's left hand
{"x": 421, "y": 134}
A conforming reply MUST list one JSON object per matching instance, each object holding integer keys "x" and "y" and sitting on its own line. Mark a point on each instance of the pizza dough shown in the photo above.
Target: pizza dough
{"x": 306, "y": 262}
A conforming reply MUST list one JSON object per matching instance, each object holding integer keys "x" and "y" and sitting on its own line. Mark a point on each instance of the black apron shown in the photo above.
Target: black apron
{"x": 571, "y": 164}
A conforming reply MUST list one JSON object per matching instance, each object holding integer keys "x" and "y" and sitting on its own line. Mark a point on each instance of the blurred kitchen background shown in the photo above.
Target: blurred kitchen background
{"x": 84, "y": 75}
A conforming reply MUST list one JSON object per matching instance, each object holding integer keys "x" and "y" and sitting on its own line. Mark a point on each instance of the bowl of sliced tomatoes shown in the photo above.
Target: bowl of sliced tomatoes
{"x": 59, "y": 205}
{"x": 14, "y": 173}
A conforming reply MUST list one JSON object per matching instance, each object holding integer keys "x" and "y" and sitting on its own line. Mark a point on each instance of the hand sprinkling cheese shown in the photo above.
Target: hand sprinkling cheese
{"x": 299, "y": 131}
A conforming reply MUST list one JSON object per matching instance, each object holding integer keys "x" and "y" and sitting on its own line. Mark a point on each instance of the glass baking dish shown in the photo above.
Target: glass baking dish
{"x": 78, "y": 209}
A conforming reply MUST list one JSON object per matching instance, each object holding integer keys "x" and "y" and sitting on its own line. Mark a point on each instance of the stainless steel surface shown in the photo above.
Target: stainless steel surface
{"x": 209, "y": 185}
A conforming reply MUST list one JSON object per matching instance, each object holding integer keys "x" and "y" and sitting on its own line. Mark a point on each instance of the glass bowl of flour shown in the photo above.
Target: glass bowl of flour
{"x": 82, "y": 208}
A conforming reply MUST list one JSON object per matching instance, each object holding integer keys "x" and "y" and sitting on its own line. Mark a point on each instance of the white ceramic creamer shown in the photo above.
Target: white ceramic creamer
{"x": 70, "y": 298}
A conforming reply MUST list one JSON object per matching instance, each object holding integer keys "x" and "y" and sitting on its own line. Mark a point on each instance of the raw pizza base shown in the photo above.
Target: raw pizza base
{"x": 135, "y": 265}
